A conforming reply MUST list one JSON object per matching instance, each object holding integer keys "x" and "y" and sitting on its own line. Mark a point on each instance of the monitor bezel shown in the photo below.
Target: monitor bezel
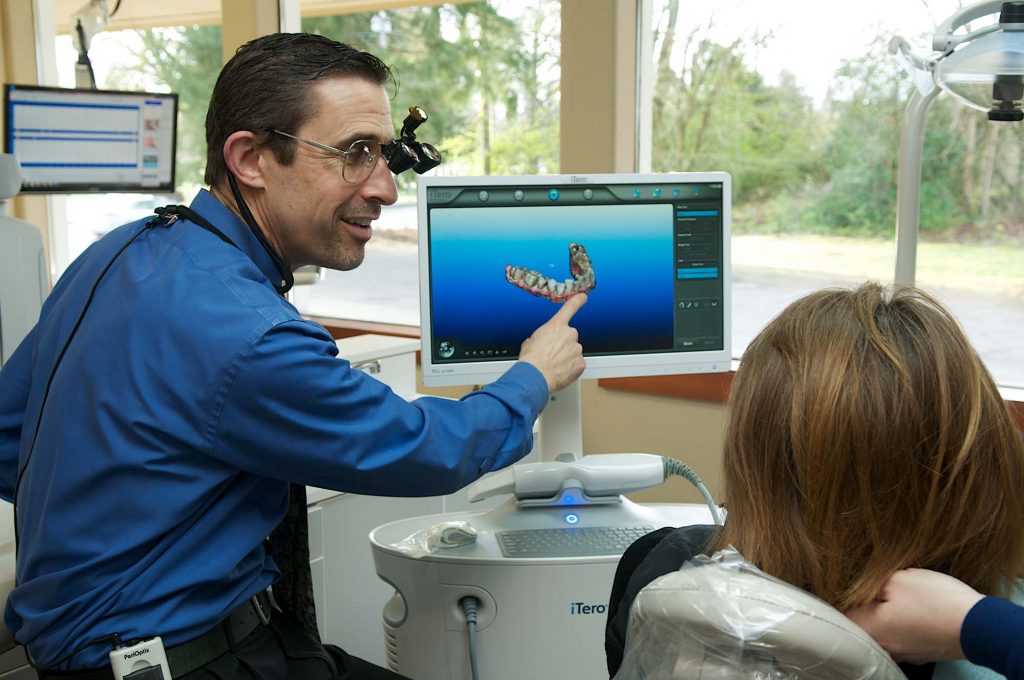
{"x": 618, "y": 366}
{"x": 96, "y": 187}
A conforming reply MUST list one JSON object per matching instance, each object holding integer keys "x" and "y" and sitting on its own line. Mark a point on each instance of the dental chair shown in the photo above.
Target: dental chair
{"x": 23, "y": 285}
{"x": 720, "y": 617}
{"x": 23, "y": 280}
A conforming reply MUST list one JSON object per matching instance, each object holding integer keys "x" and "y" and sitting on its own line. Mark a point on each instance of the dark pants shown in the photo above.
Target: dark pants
{"x": 279, "y": 651}
{"x": 283, "y": 651}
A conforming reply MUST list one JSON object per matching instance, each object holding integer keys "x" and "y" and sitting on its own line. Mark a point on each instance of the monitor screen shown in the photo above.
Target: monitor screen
{"x": 91, "y": 140}
{"x": 499, "y": 254}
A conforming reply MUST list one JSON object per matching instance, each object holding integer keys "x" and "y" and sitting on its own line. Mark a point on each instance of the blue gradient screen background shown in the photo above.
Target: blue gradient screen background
{"x": 630, "y": 310}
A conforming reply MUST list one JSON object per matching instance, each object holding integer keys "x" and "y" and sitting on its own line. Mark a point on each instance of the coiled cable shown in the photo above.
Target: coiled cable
{"x": 681, "y": 469}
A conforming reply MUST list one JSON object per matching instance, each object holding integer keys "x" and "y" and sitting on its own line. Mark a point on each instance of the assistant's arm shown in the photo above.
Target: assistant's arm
{"x": 922, "y": 616}
{"x": 15, "y": 381}
{"x": 293, "y": 410}
{"x": 993, "y": 636}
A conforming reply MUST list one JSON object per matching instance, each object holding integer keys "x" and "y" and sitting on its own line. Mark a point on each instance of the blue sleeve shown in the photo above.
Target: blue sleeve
{"x": 295, "y": 411}
{"x": 992, "y": 635}
{"x": 15, "y": 381}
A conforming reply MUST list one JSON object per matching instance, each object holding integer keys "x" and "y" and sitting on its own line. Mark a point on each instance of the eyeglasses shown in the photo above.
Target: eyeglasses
{"x": 359, "y": 159}
{"x": 362, "y": 155}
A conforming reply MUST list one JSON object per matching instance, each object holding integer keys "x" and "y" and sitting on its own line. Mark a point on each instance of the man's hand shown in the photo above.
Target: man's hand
{"x": 918, "y": 615}
{"x": 554, "y": 348}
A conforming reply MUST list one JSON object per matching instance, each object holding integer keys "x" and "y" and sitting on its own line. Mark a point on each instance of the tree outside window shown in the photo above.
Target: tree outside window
{"x": 813, "y": 154}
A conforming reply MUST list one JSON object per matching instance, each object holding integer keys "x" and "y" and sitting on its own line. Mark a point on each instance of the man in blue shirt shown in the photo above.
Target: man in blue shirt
{"x": 148, "y": 441}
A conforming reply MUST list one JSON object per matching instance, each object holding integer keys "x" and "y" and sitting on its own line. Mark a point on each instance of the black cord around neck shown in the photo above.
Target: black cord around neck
{"x": 287, "y": 280}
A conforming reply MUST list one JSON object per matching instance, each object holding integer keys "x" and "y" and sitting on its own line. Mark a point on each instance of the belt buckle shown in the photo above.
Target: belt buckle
{"x": 260, "y": 611}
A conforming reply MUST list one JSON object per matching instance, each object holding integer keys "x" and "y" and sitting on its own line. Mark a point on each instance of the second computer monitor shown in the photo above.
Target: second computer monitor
{"x": 91, "y": 140}
{"x": 499, "y": 255}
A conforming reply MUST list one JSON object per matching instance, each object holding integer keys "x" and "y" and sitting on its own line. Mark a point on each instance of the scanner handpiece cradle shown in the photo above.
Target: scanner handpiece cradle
{"x": 588, "y": 480}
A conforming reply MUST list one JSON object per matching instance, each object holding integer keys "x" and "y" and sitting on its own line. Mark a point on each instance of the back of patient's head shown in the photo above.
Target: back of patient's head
{"x": 865, "y": 435}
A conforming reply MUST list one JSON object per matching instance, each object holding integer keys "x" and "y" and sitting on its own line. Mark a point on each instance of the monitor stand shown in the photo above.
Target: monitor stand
{"x": 561, "y": 424}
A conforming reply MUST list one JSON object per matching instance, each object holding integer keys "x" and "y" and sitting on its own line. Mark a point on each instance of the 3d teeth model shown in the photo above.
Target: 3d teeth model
{"x": 582, "y": 281}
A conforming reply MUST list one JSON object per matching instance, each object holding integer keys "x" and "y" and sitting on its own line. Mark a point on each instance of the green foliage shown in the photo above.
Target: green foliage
{"x": 487, "y": 74}
{"x": 185, "y": 60}
{"x": 859, "y": 196}
{"x": 487, "y": 81}
{"x": 477, "y": 73}
{"x": 716, "y": 113}
{"x": 833, "y": 169}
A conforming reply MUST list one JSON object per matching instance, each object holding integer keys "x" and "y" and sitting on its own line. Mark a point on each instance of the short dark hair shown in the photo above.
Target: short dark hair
{"x": 266, "y": 86}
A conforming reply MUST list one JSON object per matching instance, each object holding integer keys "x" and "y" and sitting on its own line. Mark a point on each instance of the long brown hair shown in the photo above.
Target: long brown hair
{"x": 866, "y": 436}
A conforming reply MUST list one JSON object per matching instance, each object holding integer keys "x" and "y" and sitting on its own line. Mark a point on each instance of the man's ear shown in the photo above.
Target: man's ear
{"x": 242, "y": 156}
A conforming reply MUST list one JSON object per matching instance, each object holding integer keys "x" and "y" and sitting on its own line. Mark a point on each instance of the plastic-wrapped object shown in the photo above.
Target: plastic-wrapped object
{"x": 436, "y": 538}
{"x": 721, "y": 617}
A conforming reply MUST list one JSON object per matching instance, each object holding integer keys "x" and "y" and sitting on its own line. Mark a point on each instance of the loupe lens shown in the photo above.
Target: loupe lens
{"x": 402, "y": 158}
{"x": 430, "y": 158}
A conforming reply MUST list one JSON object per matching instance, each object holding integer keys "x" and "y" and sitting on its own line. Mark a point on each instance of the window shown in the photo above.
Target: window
{"x": 487, "y": 75}
{"x": 181, "y": 59}
{"x": 806, "y": 116}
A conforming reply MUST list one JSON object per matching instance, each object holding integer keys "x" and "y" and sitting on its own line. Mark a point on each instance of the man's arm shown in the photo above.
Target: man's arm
{"x": 924, "y": 616}
{"x": 15, "y": 381}
{"x": 554, "y": 348}
{"x": 294, "y": 411}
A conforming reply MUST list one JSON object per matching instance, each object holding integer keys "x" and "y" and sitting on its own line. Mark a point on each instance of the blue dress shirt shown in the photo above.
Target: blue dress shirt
{"x": 191, "y": 395}
{"x": 993, "y": 635}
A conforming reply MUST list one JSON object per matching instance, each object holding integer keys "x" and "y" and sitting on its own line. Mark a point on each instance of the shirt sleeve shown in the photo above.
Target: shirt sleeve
{"x": 992, "y": 635}
{"x": 293, "y": 410}
{"x": 15, "y": 381}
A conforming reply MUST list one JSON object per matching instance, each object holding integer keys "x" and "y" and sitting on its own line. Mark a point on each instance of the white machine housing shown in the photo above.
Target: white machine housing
{"x": 538, "y": 617}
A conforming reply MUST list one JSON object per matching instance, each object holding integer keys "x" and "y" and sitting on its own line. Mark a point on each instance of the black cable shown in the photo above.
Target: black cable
{"x": 53, "y": 372}
{"x": 116, "y": 7}
{"x": 469, "y": 605}
{"x": 287, "y": 280}
{"x": 83, "y": 53}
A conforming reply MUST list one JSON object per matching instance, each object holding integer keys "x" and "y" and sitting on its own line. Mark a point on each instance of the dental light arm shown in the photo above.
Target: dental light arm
{"x": 944, "y": 41}
{"x": 86, "y": 22}
{"x": 983, "y": 69}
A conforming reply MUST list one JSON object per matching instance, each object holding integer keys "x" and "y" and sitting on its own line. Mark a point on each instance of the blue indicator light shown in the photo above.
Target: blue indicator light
{"x": 677, "y": 192}
{"x": 636, "y": 193}
{"x": 553, "y": 194}
{"x": 568, "y": 499}
{"x": 572, "y": 518}
{"x": 656, "y": 193}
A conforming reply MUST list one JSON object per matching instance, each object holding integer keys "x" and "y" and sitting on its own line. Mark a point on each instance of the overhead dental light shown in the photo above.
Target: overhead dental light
{"x": 983, "y": 69}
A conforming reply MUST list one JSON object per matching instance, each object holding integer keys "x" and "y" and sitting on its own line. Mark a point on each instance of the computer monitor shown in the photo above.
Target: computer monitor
{"x": 498, "y": 255}
{"x": 75, "y": 141}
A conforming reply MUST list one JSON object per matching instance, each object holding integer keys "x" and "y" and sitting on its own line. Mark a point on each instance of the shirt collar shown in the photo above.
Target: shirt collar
{"x": 210, "y": 207}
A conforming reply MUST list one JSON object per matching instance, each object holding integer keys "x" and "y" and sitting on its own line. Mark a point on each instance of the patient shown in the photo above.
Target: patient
{"x": 864, "y": 436}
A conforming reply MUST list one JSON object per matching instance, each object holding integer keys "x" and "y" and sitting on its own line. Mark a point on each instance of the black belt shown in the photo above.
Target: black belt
{"x": 194, "y": 654}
